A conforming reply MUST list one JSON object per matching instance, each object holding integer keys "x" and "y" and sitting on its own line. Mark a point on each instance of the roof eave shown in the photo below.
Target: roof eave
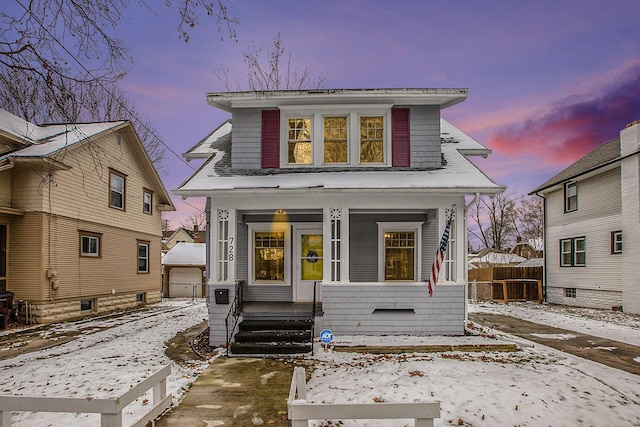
{"x": 444, "y": 98}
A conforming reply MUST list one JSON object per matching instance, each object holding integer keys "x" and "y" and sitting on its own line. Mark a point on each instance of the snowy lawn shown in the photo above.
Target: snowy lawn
{"x": 104, "y": 363}
{"x": 536, "y": 386}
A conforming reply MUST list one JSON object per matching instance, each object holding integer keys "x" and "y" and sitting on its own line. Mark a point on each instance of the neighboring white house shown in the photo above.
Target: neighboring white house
{"x": 592, "y": 227}
{"x": 347, "y": 189}
{"x": 183, "y": 270}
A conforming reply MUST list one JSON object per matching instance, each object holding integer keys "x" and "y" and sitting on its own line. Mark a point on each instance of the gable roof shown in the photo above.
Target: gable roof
{"x": 43, "y": 142}
{"x": 456, "y": 175}
{"x": 186, "y": 254}
{"x": 602, "y": 156}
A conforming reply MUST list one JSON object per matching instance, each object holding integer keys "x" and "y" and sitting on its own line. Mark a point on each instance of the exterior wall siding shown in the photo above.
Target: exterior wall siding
{"x": 5, "y": 189}
{"x": 246, "y": 137}
{"x": 425, "y": 137}
{"x": 25, "y": 263}
{"x": 598, "y": 214}
{"x": 394, "y": 309}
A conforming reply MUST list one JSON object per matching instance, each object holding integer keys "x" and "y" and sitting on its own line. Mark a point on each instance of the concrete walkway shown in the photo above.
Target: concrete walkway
{"x": 608, "y": 352}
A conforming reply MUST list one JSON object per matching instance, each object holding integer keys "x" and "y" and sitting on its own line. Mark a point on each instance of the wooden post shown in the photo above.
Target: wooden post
{"x": 504, "y": 290}
{"x": 539, "y": 282}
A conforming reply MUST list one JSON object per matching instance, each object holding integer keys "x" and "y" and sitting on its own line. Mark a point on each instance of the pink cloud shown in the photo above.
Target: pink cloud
{"x": 576, "y": 125}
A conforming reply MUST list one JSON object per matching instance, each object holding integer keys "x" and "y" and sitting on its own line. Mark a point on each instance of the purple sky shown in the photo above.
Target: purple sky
{"x": 548, "y": 80}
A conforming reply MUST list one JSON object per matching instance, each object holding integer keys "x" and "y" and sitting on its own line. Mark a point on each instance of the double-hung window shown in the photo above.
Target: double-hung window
{"x": 299, "y": 146}
{"x": 147, "y": 202}
{"x": 336, "y": 147}
{"x": 270, "y": 254}
{"x": 117, "y": 186}
{"x": 399, "y": 251}
{"x": 570, "y": 196}
{"x": 616, "y": 242}
{"x": 573, "y": 252}
{"x": 90, "y": 244}
{"x": 371, "y": 139}
{"x": 143, "y": 257}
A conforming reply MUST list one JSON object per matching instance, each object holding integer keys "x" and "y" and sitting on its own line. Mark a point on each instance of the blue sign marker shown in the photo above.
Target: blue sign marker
{"x": 326, "y": 336}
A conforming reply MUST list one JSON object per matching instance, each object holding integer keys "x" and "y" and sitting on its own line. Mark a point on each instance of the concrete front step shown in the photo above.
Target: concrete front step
{"x": 273, "y": 336}
{"x": 275, "y": 324}
{"x": 254, "y": 348}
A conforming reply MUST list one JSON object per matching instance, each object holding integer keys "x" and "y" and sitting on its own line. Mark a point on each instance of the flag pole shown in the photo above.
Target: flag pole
{"x": 440, "y": 253}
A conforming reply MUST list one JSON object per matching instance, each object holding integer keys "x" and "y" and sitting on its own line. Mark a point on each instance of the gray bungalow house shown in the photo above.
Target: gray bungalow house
{"x": 339, "y": 197}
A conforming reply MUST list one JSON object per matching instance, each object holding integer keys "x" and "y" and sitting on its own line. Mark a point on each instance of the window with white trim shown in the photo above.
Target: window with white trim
{"x": 571, "y": 196}
{"x": 450, "y": 256}
{"x": 399, "y": 251}
{"x": 616, "y": 242}
{"x": 90, "y": 244}
{"x": 143, "y": 257}
{"x": 147, "y": 202}
{"x": 358, "y": 136}
{"x": 117, "y": 182}
{"x": 269, "y": 254}
{"x": 573, "y": 252}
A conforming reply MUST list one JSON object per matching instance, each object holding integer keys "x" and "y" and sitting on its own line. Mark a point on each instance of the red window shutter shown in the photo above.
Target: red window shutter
{"x": 270, "y": 138}
{"x": 400, "y": 143}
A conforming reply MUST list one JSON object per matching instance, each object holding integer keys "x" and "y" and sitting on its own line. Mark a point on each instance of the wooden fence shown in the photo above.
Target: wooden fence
{"x": 110, "y": 409}
{"x": 301, "y": 411}
{"x": 519, "y": 283}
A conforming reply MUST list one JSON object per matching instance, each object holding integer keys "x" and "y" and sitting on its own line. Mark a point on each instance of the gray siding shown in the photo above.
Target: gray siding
{"x": 598, "y": 214}
{"x": 363, "y": 243}
{"x": 246, "y": 138}
{"x": 425, "y": 137}
{"x": 393, "y": 309}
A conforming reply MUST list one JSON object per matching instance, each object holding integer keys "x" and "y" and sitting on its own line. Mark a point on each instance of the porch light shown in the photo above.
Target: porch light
{"x": 279, "y": 211}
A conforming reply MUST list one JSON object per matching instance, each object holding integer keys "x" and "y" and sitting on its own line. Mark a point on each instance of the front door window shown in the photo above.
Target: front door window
{"x": 311, "y": 256}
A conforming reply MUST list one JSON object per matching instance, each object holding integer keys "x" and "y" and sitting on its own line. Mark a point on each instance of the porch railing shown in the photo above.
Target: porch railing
{"x": 313, "y": 315}
{"x": 234, "y": 312}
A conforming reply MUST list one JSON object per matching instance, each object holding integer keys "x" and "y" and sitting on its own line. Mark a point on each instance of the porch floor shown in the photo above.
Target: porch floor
{"x": 251, "y": 308}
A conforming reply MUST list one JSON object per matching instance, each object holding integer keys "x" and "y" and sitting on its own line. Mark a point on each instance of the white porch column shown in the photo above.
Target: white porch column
{"x": 222, "y": 263}
{"x": 223, "y": 247}
{"x": 335, "y": 231}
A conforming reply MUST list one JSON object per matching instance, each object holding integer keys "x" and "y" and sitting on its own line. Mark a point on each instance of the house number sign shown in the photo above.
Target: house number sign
{"x": 230, "y": 249}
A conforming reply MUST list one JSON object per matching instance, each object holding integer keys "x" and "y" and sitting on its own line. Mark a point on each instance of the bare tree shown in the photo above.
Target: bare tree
{"x": 495, "y": 221}
{"x": 530, "y": 218}
{"x": 270, "y": 70}
{"x": 197, "y": 221}
{"x": 60, "y": 62}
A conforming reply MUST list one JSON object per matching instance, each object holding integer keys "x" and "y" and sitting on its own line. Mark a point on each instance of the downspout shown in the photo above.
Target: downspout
{"x": 466, "y": 245}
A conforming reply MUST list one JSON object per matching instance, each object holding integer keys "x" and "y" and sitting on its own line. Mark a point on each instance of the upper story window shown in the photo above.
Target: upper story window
{"x": 299, "y": 141}
{"x": 147, "y": 202}
{"x": 399, "y": 251}
{"x": 117, "y": 187}
{"x": 353, "y": 137}
{"x": 570, "y": 196}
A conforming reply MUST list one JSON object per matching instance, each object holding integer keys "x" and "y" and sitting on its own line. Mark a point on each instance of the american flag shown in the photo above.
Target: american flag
{"x": 442, "y": 250}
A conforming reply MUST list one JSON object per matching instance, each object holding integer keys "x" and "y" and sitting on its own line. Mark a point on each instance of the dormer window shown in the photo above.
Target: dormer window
{"x": 358, "y": 136}
{"x": 299, "y": 141}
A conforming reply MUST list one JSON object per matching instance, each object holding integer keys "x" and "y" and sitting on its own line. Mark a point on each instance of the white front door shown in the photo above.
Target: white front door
{"x": 308, "y": 262}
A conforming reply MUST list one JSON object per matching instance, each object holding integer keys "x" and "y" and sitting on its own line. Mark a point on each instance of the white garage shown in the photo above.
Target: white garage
{"x": 183, "y": 271}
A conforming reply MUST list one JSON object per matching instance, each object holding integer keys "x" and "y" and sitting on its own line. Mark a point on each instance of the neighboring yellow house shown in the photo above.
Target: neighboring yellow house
{"x": 80, "y": 226}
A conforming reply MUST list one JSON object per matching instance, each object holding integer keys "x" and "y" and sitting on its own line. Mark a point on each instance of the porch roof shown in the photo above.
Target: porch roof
{"x": 459, "y": 176}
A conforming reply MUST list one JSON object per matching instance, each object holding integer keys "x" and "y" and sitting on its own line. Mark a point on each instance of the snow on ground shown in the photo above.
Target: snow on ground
{"x": 613, "y": 325}
{"x": 536, "y": 386}
{"x": 104, "y": 363}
